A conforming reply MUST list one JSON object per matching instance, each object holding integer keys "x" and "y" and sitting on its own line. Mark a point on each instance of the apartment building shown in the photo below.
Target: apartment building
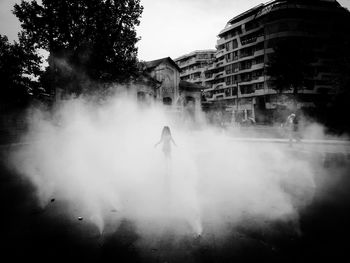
{"x": 237, "y": 81}
{"x": 194, "y": 64}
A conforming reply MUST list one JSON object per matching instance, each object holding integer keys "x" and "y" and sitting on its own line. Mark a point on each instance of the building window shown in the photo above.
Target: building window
{"x": 246, "y": 89}
{"x": 167, "y": 101}
{"x": 227, "y": 46}
{"x": 234, "y": 44}
{"x": 235, "y": 55}
{"x": 259, "y": 86}
{"x": 234, "y": 91}
{"x": 259, "y": 60}
{"x": 228, "y": 57}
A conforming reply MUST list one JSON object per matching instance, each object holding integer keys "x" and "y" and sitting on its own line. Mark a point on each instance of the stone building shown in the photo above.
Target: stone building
{"x": 180, "y": 96}
{"x": 145, "y": 88}
{"x": 166, "y": 72}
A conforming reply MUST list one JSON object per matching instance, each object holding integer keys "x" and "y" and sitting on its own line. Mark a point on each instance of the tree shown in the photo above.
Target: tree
{"x": 290, "y": 64}
{"x": 19, "y": 65}
{"x": 92, "y": 40}
{"x": 334, "y": 115}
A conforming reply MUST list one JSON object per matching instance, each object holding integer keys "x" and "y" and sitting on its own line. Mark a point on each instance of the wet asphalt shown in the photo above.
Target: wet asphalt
{"x": 29, "y": 232}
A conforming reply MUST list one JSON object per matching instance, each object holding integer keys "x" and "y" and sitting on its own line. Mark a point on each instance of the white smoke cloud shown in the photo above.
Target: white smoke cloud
{"x": 99, "y": 162}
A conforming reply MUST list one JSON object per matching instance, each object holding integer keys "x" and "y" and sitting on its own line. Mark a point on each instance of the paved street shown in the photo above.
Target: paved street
{"x": 29, "y": 232}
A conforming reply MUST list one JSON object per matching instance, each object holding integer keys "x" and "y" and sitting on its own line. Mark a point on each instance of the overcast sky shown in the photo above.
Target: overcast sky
{"x": 168, "y": 27}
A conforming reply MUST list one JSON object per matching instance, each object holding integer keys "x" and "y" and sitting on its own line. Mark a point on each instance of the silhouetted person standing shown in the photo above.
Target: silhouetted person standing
{"x": 292, "y": 125}
{"x": 166, "y": 139}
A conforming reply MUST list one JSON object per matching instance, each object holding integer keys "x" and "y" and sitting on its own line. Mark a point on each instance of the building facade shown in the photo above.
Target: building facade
{"x": 179, "y": 95}
{"x": 166, "y": 72}
{"x": 193, "y": 65}
{"x": 237, "y": 82}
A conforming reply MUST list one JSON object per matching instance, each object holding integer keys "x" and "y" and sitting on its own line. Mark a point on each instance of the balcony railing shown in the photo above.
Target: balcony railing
{"x": 187, "y": 62}
{"x": 218, "y": 75}
{"x": 220, "y": 53}
{"x": 246, "y": 55}
{"x": 221, "y": 41}
{"x": 245, "y": 67}
{"x": 192, "y": 70}
{"x": 218, "y": 86}
{"x": 258, "y": 66}
{"x": 248, "y": 41}
{"x": 259, "y": 52}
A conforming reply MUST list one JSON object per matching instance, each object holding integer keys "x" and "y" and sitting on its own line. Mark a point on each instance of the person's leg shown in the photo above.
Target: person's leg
{"x": 290, "y": 137}
{"x": 298, "y": 136}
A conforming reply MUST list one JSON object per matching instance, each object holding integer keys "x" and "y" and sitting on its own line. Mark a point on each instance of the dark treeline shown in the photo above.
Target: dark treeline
{"x": 293, "y": 66}
{"x": 87, "y": 42}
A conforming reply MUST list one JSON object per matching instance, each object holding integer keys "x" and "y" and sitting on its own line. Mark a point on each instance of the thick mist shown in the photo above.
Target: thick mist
{"x": 99, "y": 160}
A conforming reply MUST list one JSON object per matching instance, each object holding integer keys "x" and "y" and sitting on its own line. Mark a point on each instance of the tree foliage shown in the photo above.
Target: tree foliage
{"x": 92, "y": 39}
{"x": 339, "y": 105}
{"x": 19, "y": 65}
{"x": 290, "y": 65}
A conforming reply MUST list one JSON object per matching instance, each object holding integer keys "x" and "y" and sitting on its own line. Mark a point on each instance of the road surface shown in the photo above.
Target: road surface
{"x": 31, "y": 233}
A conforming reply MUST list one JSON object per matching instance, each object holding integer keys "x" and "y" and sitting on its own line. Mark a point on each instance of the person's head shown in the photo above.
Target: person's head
{"x": 166, "y": 131}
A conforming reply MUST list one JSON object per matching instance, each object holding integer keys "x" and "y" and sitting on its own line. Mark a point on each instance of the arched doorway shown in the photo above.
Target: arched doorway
{"x": 141, "y": 96}
{"x": 189, "y": 100}
{"x": 189, "y": 105}
{"x": 167, "y": 101}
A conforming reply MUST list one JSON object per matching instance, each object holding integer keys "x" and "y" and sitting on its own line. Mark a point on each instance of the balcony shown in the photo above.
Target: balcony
{"x": 220, "y": 53}
{"x": 193, "y": 70}
{"x": 259, "y": 52}
{"x": 245, "y": 67}
{"x": 253, "y": 80}
{"x": 220, "y": 64}
{"x": 218, "y": 75}
{"x": 245, "y": 80}
{"x": 257, "y": 66}
{"x": 260, "y": 38}
{"x": 211, "y": 67}
{"x": 209, "y": 78}
{"x": 195, "y": 79}
{"x": 246, "y": 55}
{"x": 248, "y": 41}
{"x": 218, "y": 86}
{"x": 187, "y": 62}
{"x": 221, "y": 41}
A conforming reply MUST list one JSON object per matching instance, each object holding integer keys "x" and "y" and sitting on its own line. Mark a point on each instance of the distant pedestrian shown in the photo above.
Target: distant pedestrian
{"x": 292, "y": 127}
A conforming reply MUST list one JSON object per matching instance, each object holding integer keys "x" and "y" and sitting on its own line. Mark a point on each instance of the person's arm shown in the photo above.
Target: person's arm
{"x": 158, "y": 143}
{"x": 173, "y": 141}
{"x": 286, "y": 124}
